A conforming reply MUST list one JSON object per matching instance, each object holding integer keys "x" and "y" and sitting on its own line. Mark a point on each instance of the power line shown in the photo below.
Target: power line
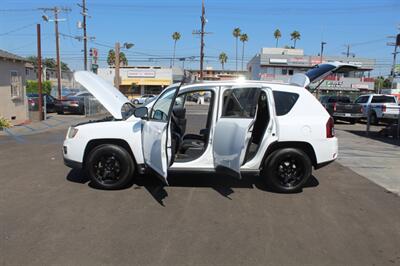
{"x": 17, "y": 29}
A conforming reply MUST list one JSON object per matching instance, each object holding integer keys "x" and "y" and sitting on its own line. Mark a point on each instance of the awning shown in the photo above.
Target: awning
{"x": 145, "y": 81}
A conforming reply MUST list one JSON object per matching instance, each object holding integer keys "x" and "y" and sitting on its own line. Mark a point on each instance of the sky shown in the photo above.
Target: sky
{"x": 149, "y": 24}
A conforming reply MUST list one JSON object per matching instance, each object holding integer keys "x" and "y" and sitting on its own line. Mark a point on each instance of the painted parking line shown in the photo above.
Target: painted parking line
{"x": 28, "y": 127}
{"x": 17, "y": 138}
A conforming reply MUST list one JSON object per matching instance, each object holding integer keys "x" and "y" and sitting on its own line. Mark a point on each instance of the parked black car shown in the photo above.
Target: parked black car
{"x": 33, "y": 102}
{"x": 342, "y": 108}
{"x": 73, "y": 103}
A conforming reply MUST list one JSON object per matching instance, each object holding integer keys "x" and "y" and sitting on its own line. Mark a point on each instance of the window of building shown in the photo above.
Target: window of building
{"x": 290, "y": 72}
{"x": 284, "y": 71}
{"x": 16, "y": 85}
{"x": 240, "y": 102}
{"x": 284, "y": 101}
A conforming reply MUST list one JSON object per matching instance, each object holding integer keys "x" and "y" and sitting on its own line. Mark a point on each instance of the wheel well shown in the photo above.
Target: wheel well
{"x": 304, "y": 146}
{"x": 96, "y": 142}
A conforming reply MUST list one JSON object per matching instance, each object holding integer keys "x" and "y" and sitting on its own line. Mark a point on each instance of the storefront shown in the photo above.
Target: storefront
{"x": 139, "y": 80}
{"x": 279, "y": 64}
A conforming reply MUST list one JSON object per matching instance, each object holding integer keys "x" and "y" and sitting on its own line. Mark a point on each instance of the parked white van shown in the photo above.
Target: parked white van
{"x": 278, "y": 131}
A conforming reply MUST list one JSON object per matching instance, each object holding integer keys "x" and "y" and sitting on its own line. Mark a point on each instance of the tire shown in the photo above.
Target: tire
{"x": 373, "y": 119}
{"x": 110, "y": 167}
{"x": 287, "y": 170}
{"x": 60, "y": 112}
{"x": 135, "y": 102}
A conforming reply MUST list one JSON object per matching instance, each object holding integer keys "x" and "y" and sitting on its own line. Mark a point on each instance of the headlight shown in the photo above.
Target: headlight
{"x": 72, "y": 132}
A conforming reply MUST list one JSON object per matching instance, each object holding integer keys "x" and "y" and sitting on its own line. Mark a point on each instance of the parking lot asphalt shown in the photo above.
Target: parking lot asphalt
{"x": 374, "y": 156}
{"x": 51, "y": 215}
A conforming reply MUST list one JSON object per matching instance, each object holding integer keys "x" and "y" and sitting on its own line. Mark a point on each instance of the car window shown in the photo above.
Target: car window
{"x": 362, "y": 99}
{"x": 284, "y": 101}
{"x": 332, "y": 100}
{"x": 240, "y": 102}
{"x": 160, "y": 110}
{"x": 383, "y": 99}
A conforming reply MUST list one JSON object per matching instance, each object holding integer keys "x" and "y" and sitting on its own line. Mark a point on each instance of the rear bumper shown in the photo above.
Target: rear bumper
{"x": 348, "y": 115}
{"x": 320, "y": 165}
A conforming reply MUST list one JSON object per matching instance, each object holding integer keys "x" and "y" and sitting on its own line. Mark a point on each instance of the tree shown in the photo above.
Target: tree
{"x": 294, "y": 36}
{"x": 48, "y": 63}
{"x": 222, "y": 59}
{"x": 111, "y": 58}
{"x": 176, "y": 36}
{"x": 243, "y": 38}
{"x": 32, "y": 86}
{"x": 236, "y": 33}
{"x": 277, "y": 36}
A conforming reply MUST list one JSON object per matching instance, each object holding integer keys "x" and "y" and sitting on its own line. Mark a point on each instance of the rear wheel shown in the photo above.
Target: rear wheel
{"x": 110, "y": 167}
{"x": 135, "y": 102}
{"x": 287, "y": 170}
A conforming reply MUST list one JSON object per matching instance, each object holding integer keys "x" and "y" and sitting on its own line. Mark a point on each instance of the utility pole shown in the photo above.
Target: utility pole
{"x": 84, "y": 14}
{"x": 322, "y": 50}
{"x": 202, "y": 33}
{"x": 117, "y": 80}
{"x": 39, "y": 73}
{"x": 56, "y": 10}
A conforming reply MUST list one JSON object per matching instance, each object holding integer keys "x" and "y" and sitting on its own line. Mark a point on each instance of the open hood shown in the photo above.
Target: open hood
{"x": 321, "y": 71}
{"x": 109, "y": 96}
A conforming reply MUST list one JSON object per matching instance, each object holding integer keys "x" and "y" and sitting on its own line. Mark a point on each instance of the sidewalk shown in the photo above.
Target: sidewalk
{"x": 375, "y": 158}
{"x": 53, "y": 121}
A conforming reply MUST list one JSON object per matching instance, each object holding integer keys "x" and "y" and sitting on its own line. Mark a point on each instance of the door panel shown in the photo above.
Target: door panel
{"x": 156, "y": 135}
{"x": 233, "y": 129}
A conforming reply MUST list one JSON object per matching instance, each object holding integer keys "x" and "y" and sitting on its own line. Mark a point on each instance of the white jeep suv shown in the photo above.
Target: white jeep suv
{"x": 278, "y": 131}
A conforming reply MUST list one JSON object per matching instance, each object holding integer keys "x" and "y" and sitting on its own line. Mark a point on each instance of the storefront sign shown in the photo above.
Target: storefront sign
{"x": 360, "y": 86}
{"x": 333, "y": 84}
{"x": 138, "y": 73}
{"x": 278, "y": 61}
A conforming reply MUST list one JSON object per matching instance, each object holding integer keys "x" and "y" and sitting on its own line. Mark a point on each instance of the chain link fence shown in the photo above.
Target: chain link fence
{"x": 93, "y": 107}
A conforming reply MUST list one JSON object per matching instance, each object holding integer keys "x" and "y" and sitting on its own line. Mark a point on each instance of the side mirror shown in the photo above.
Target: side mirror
{"x": 141, "y": 112}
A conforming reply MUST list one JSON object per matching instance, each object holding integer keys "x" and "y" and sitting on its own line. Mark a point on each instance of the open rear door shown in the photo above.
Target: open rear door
{"x": 233, "y": 129}
{"x": 156, "y": 135}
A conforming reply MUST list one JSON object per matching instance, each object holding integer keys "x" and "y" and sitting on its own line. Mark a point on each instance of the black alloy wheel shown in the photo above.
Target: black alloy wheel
{"x": 287, "y": 170}
{"x": 110, "y": 167}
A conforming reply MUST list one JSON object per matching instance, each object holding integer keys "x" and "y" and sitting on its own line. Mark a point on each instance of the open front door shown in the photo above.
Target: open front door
{"x": 156, "y": 135}
{"x": 233, "y": 129}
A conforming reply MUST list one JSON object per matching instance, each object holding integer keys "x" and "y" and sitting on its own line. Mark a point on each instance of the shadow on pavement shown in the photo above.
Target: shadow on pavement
{"x": 223, "y": 185}
{"x": 374, "y": 135}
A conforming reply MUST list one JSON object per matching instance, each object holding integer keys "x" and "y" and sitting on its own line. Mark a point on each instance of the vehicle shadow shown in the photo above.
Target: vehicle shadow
{"x": 222, "y": 184}
{"x": 375, "y": 135}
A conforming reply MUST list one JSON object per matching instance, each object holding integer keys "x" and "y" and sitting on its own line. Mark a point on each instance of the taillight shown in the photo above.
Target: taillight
{"x": 334, "y": 107}
{"x": 330, "y": 129}
{"x": 383, "y": 108}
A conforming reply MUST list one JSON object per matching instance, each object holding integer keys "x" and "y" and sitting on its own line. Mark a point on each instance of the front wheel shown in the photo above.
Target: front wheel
{"x": 287, "y": 170}
{"x": 110, "y": 167}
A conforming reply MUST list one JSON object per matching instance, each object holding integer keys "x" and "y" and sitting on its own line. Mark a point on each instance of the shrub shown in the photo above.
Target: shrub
{"x": 4, "y": 123}
{"x": 32, "y": 86}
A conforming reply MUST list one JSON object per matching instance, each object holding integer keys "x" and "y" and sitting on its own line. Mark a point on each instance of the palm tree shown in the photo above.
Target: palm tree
{"x": 176, "y": 36}
{"x": 222, "y": 59}
{"x": 295, "y": 35}
{"x": 277, "y": 36}
{"x": 236, "y": 33}
{"x": 243, "y": 38}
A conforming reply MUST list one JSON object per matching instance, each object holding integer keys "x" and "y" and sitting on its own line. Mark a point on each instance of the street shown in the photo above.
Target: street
{"x": 51, "y": 215}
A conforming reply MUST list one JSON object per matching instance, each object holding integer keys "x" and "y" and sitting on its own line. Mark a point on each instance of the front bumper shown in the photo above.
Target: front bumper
{"x": 72, "y": 164}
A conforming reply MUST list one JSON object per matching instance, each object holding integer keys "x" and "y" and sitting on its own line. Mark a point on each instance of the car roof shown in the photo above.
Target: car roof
{"x": 221, "y": 83}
